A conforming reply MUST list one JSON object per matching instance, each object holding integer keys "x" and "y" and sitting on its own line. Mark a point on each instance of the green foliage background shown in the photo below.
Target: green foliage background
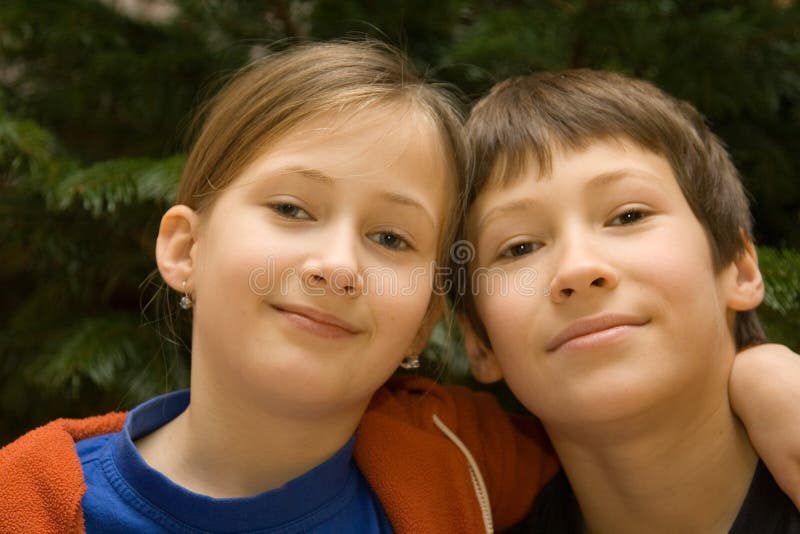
{"x": 95, "y": 106}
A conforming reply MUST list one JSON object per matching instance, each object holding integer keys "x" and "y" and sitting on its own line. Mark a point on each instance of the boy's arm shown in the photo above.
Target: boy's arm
{"x": 765, "y": 393}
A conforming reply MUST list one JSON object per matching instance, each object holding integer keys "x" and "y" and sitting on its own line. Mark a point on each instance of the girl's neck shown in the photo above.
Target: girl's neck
{"x": 686, "y": 469}
{"x": 226, "y": 447}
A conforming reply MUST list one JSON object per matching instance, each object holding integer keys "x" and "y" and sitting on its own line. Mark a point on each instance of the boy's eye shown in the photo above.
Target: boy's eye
{"x": 290, "y": 211}
{"x": 627, "y": 217}
{"x": 389, "y": 240}
{"x": 521, "y": 249}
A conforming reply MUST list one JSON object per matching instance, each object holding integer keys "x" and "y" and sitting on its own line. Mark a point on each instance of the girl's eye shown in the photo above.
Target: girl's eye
{"x": 521, "y": 249}
{"x": 628, "y": 217}
{"x": 390, "y": 240}
{"x": 290, "y": 211}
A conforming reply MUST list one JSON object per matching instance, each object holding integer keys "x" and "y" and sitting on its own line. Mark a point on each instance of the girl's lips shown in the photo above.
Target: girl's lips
{"x": 316, "y": 321}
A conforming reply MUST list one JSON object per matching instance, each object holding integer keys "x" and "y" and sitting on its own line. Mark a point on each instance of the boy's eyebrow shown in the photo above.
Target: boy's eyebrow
{"x": 520, "y": 204}
{"x": 607, "y": 178}
{"x": 596, "y": 182}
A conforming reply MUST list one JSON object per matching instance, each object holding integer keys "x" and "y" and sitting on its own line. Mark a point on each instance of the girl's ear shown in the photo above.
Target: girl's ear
{"x": 745, "y": 285}
{"x": 175, "y": 247}
{"x": 482, "y": 361}
{"x": 435, "y": 309}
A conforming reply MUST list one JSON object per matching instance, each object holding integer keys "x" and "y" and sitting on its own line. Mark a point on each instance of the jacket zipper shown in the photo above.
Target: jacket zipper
{"x": 475, "y": 475}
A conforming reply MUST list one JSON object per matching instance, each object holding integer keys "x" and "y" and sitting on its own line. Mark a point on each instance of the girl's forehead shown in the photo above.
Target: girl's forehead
{"x": 366, "y": 140}
{"x": 403, "y": 120}
{"x": 382, "y": 143}
{"x": 393, "y": 149}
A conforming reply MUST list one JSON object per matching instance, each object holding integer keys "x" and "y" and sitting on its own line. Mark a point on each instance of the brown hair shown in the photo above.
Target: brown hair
{"x": 266, "y": 99}
{"x": 522, "y": 120}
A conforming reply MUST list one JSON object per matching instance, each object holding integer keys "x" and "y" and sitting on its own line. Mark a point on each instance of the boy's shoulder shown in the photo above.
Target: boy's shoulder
{"x": 42, "y": 476}
{"x": 766, "y": 508}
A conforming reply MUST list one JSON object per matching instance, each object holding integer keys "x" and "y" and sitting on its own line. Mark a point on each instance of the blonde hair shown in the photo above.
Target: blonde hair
{"x": 269, "y": 97}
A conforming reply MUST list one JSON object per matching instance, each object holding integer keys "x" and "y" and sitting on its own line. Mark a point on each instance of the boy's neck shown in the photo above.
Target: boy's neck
{"x": 684, "y": 468}
{"x": 223, "y": 449}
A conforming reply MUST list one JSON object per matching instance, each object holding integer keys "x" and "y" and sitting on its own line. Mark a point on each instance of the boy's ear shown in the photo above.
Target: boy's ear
{"x": 175, "y": 247}
{"x": 482, "y": 361}
{"x": 746, "y": 286}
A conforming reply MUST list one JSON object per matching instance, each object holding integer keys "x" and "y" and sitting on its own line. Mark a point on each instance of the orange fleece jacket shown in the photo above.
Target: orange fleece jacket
{"x": 419, "y": 475}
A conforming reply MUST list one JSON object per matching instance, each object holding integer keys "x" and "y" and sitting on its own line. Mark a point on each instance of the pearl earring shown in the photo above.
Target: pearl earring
{"x": 410, "y": 362}
{"x": 186, "y": 301}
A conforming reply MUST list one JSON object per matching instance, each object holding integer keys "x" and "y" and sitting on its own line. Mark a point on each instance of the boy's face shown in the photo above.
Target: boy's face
{"x": 600, "y": 299}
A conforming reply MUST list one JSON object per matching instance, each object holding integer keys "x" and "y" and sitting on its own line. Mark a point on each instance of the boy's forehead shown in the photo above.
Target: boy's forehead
{"x": 508, "y": 170}
{"x": 507, "y": 194}
{"x": 597, "y": 163}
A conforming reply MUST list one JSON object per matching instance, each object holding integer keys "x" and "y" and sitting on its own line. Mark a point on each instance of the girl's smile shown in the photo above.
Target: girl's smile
{"x": 316, "y": 321}
{"x": 336, "y": 200}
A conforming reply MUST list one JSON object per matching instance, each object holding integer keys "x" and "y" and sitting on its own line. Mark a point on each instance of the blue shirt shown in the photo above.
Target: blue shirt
{"x": 124, "y": 494}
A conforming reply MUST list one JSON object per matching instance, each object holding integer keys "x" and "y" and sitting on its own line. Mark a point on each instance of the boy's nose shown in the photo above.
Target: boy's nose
{"x": 581, "y": 271}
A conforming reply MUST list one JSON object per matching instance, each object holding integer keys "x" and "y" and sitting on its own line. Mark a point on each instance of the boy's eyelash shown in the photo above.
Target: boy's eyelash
{"x": 629, "y": 216}
{"x": 520, "y": 249}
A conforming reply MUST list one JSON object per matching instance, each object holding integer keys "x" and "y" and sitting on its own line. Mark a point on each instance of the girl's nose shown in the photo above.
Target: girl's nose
{"x": 334, "y": 267}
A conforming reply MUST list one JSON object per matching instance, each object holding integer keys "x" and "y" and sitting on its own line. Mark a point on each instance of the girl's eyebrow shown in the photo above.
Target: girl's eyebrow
{"x": 391, "y": 196}
{"x": 305, "y": 172}
{"x": 405, "y": 200}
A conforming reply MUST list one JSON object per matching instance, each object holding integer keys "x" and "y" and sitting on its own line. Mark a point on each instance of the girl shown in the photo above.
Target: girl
{"x": 313, "y": 210}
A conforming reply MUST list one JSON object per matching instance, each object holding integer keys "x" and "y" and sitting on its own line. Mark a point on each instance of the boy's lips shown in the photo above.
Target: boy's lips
{"x": 317, "y": 321}
{"x": 598, "y": 324}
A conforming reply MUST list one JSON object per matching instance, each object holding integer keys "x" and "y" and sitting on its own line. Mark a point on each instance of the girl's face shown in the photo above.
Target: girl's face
{"x": 312, "y": 272}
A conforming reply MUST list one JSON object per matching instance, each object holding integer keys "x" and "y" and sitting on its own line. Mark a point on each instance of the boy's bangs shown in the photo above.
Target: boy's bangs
{"x": 512, "y": 163}
{"x": 533, "y": 159}
{"x": 509, "y": 168}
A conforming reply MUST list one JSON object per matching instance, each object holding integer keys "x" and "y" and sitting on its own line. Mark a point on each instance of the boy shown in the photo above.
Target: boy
{"x": 632, "y": 222}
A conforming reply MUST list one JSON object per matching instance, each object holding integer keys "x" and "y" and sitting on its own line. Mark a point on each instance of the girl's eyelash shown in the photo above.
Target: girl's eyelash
{"x": 387, "y": 239}
{"x": 288, "y": 210}
{"x": 391, "y": 240}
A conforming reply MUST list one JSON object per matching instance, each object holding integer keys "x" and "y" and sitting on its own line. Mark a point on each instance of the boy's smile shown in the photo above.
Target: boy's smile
{"x": 627, "y": 312}
{"x": 591, "y": 332}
